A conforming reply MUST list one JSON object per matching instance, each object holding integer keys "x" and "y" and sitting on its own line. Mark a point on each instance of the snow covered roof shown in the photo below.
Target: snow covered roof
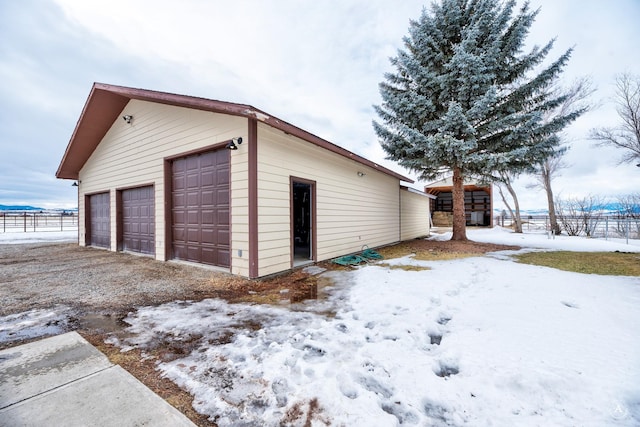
{"x": 448, "y": 182}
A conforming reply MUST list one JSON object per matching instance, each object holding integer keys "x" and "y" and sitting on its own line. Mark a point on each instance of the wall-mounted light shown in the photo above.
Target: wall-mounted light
{"x": 75, "y": 184}
{"x": 127, "y": 118}
{"x": 231, "y": 145}
{"x": 361, "y": 174}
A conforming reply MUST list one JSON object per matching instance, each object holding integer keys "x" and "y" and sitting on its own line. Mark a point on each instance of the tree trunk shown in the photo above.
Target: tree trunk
{"x": 504, "y": 200}
{"x": 553, "y": 221}
{"x": 517, "y": 225}
{"x": 459, "y": 219}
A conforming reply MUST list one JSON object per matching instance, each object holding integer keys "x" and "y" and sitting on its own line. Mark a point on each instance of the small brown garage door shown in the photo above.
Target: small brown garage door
{"x": 138, "y": 220}
{"x": 99, "y": 224}
{"x": 200, "y": 208}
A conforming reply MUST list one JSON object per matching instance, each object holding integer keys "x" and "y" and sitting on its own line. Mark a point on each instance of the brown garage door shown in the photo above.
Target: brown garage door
{"x": 138, "y": 220}
{"x": 99, "y": 225}
{"x": 200, "y": 208}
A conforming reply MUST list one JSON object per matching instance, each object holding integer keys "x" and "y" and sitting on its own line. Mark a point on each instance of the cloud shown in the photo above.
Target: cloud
{"x": 314, "y": 64}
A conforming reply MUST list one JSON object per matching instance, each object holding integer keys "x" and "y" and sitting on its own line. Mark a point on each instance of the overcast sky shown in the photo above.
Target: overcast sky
{"x": 315, "y": 64}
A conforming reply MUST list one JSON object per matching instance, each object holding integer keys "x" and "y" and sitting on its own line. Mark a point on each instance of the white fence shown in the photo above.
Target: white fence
{"x": 601, "y": 226}
{"x": 37, "y": 221}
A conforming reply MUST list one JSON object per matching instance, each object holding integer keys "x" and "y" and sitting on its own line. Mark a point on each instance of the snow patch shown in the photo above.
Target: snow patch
{"x": 34, "y": 323}
{"x": 475, "y": 341}
{"x": 38, "y": 237}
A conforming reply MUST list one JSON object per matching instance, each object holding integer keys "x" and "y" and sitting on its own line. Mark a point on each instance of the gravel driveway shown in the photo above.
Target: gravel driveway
{"x": 69, "y": 287}
{"x": 93, "y": 280}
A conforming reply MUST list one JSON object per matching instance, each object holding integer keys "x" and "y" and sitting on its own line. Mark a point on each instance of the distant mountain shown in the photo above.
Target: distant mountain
{"x": 535, "y": 212}
{"x": 19, "y": 208}
{"x": 605, "y": 208}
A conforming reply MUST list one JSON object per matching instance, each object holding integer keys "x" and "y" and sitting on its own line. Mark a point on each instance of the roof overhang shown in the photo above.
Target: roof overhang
{"x": 106, "y": 102}
{"x": 418, "y": 192}
{"x": 449, "y": 189}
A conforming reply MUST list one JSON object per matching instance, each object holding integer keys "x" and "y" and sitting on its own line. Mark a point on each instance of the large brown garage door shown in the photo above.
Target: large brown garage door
{"x": 200, "y": 208}
{"x": 99, "y": 224}
{"x": 138, "y": 220}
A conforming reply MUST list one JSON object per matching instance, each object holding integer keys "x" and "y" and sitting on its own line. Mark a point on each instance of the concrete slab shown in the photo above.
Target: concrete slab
{"x": 34, "y": 368}
{"x": 64, "y": 380}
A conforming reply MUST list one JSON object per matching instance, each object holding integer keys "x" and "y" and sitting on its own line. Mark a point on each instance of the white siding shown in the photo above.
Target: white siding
{"x": 240, "y": 212}
{"x": 133, "y": 154}
{"x": 352, "y": 211}
{"x": 414, "y": 217}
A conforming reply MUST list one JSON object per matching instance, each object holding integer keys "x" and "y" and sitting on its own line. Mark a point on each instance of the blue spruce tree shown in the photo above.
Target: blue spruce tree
{"x": 465, "y": 99}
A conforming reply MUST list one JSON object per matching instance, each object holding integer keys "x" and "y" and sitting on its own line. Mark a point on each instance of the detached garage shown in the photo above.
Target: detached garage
{"x": 226, "y": 185}
{"x": 478, "y": 203}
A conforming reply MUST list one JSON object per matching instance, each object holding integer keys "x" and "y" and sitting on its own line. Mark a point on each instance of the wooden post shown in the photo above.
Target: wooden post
{"x": 627, "y": 228}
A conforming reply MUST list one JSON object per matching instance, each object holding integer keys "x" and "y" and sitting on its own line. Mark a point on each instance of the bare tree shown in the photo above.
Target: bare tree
{"x": 629, "y": 213}
{"x": 590, "y": 209}
{"x": 626, "y": 136}
{"x": 579, "y": 216}
{"x": 568, "y": 215}
{"x": 505, "y": 180}
{"x": 629, "y": 205}
{"x": 547, "y": 171}
{"x": 575, "y": 99}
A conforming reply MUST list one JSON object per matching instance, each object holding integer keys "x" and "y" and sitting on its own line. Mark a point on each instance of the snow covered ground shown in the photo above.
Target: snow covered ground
{"x": 477, "y": 341}
{"x": 481, "y": 341}
{"x": 539, "y": 239}
{"x": 16, "y": 237}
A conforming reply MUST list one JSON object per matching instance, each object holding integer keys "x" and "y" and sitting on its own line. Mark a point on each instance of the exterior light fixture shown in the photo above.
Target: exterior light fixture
{"x": 361, "y": 174}
{"x": 75, "y": 184}
{"x": 231, "y": 145}
{"x": 127, "y": 118}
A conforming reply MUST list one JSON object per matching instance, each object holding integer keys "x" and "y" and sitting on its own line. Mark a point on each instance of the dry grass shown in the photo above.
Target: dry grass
{"x": 604, "y": 263}
{"x": 433, "y": 250}
{"x": 404, "y": 267}
{"x": 433, "y": 255}
{"x": 294, "y": 286}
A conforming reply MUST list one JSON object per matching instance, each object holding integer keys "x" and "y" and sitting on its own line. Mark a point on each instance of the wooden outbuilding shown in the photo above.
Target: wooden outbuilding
{"x": 478, "y": 203}
{"x": 224, "y": 184}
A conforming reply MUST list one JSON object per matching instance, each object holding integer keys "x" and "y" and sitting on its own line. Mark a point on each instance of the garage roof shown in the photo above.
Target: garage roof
{"x": 105, "y": 103}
